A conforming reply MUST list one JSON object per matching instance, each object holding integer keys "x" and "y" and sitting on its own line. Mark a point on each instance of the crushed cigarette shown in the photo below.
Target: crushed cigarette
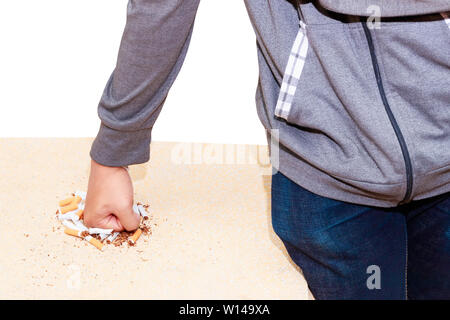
{"x": 80, "y": 225}
{"x": 80, "y": 213}
{"x": 96, "y": 243}
{"x": 70, "y": 207}
{"x": 103, "y": 236}
{"x": 100, "y": 231}
{"x": 143, "y": 211}
{"x": 135, "y": 237}
{"x": 74, "y": 232}
{"x": 70, "y": 214}
{"x": 112, "y": 237}
{"x": 81, "y": 194}
{"x": 66, "y": 202}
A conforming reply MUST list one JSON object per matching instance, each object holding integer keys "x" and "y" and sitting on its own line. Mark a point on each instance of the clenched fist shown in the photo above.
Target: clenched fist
{"x": 109, "y": 201}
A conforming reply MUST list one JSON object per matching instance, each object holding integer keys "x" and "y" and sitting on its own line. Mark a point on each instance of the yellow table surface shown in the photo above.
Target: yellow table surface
{"x": 211, "y": 231}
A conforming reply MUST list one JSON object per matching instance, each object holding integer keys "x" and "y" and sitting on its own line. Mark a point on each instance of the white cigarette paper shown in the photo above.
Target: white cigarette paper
{"x": 103, "y": 236}
{"x": 80, "y": 225}
{"x": 69, "y": 224}
{"x": 136, "y": 209}
{"x": 69, "y": 216}
{"x": 113, "y": 236}
{"x": 100, "y": 231}
{"x": 81, "y": 194}
{"x": 142, "y": 211}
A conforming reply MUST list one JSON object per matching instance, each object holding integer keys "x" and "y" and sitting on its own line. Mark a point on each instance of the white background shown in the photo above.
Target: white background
{"x": 56, "y": 56}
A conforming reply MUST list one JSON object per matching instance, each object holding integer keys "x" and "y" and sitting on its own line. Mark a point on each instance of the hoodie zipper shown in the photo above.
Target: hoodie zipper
{"x": 398, "y": 132}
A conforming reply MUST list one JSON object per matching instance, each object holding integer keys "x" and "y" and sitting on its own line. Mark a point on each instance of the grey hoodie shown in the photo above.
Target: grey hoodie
{"x": 369, "y": 117}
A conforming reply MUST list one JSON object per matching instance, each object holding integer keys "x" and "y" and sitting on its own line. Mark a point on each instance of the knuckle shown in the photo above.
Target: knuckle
{"x": 133, "y": 225}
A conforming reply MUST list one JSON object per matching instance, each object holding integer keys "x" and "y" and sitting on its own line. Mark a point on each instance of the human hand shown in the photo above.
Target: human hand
{"x": 109, "y": 200}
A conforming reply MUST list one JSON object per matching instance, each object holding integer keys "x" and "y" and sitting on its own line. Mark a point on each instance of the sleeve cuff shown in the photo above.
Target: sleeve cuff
{"x": 115, "y": 148}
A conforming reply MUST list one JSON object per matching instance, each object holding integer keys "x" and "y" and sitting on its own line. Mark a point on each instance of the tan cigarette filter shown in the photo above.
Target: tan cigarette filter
{"x": 72, "y": 232}
{"x": 80, "y": 213}
{"x": 68, "y": 208}
{"x": 66, "y": 202}
{"x": 77, "y": 200}
{"x": 96, "y": 243}
{"x": 136, "y": 236}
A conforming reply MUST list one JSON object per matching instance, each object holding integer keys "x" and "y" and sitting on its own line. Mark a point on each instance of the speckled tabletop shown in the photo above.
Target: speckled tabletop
{"x": 211, "y": 232}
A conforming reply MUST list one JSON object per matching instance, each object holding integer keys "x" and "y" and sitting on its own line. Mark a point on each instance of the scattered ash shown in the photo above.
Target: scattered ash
{"x": 124, "y": 236}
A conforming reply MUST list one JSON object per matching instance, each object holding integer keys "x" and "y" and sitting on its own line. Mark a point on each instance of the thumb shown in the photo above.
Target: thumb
{"x": 111, "y": 222}
{"x": 103, "y": 221}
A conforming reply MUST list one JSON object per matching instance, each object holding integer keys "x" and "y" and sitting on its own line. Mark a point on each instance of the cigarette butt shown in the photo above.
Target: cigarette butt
{"x": 77, "y": 200}
{"x": 68, "y": 208}
{"x": 72, "y": 232}
{"x": 69, "y": 224}
{"x": 80, "y": 213}
{"x": 68, "y": 216}
{"x": 136, "y": 236}
{"x": 143, "y": 211}
{"x": 100, "y": 231}
{"x": 103, "y": 236}
{"x": 94, "y": 242}
{"x": 112, "y": 237}
{"x": 136, "y": 209}
{"x": 80, "y": 225}
{"x": 81, "y": 194}
{"x": 66, "y": 202}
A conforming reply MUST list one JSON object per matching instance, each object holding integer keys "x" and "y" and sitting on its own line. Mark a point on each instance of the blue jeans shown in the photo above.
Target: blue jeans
{"x": 350, "y": 251}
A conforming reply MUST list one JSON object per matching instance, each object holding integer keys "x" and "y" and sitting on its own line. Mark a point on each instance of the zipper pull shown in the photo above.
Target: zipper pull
{"x": 302, "y": 25}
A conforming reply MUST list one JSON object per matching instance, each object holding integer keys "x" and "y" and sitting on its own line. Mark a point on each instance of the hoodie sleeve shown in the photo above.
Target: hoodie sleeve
{"x": 152, "y": 51}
